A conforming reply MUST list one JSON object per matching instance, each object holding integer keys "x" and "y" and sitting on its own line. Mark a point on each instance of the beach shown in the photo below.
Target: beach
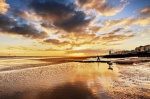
{"x": 48, "y": 78}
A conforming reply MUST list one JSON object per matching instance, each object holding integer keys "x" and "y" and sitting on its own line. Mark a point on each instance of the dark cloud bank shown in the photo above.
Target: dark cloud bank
{"x": 11, "y": 26}
{"x": 62, "y": 14}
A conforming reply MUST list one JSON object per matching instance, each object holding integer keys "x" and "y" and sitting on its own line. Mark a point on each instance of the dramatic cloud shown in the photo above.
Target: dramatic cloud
{"x": 61, "y": 15}
{"x": 11, "y": 26}
{"x": 145, "y": 11}
{"x": 76, "y": 23}
{"x": 78, "y": 26}
{"x": 71, "y": 41}
{"x": 3, "y": 7}
{"x": 86, "y": 40}
{"x": 52, "y": 9}
{"x": 27, "y": 20}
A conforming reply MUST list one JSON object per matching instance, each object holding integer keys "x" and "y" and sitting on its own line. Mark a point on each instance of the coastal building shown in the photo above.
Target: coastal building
{"x": 145, "y": 48}
{"x": 121, "y": 52}
{"x": 110, "y": 52}
{"x": 142, "y": 48}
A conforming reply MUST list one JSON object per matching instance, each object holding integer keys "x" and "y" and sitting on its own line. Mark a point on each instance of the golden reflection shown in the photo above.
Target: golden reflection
{"x": 40, "y": 76}
{"x": 95, "y": 76}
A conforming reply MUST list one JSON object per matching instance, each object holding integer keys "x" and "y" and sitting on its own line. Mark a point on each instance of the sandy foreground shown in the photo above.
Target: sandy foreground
{"x": 31, "y": 78}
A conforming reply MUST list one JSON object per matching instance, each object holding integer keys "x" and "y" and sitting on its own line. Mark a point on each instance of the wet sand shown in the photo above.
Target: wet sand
{"x": 72, "y": 80}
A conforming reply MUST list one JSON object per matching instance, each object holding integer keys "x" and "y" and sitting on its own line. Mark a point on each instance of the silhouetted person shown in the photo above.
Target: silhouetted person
{"x": 98, "y": 58}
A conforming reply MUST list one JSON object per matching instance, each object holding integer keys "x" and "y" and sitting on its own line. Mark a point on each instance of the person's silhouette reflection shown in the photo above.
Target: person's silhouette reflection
{"x": 110, "y": 64}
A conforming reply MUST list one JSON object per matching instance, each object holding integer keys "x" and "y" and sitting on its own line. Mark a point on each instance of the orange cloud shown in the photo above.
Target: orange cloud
{"x": 145, "y": 11}
{"x": 102, "y": 6}
{"x": 126, "y": 22}
{"x": 112, "y": 37}
{"x": 86, "y": 40}
{"x": 79, "y": 39}
{"x": 141, "y": 21}
{"x": 3, "y": 7}
{"x": 94, "y": 29}
{"x": 70, "y": 41}
{"x": 56, "y": 42}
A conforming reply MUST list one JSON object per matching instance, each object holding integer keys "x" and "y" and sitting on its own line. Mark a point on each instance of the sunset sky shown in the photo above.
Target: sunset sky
{"x": 72, "y": 27}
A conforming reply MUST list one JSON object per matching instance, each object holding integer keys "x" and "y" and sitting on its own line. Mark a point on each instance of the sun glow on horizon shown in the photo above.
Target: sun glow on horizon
{"x": 77, "y": 54}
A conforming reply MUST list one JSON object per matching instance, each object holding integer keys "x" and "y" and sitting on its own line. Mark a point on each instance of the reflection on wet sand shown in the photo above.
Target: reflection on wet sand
{"x": 64, "y": 91}
{"x": 26, "y": 81}
{"x": 68, "y": 91}
{"x": 75, "y": 81}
